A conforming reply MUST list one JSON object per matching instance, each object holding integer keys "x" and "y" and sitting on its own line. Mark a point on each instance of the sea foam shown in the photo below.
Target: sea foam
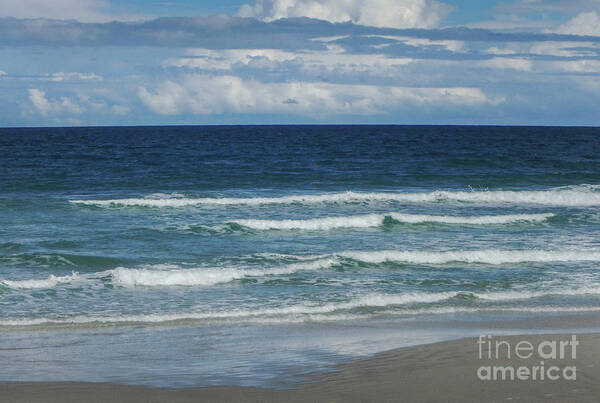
{"x": 375, "y": 220}
{"x": 49, "y": 282}
{"x": 486, "y": 256}
{"x": 168, "y": 275}
{"x": 512, "y": 295}
{"x": 369, "y": 300}
{"x": 412, "y": 303}
{"x": 581, "y": 195}
{"x": 206, "y": 276}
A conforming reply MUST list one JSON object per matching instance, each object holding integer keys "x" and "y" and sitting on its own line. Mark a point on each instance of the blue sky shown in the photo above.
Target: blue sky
{"x": 134, "y": 62}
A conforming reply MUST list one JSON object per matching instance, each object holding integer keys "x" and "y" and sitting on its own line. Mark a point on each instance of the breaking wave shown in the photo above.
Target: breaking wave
{"x": 376, "y": 220}
{"x": 50, "y": 282}
{"x": 486, "y": 256}
{"x": 529, "y": 294}
{"x": 206, "y": 276}
{"x": 404, "y": 304}
{"x": 168, "y": 275}
{"x": 581, "y": 195}
{"x": 372, "y": 300}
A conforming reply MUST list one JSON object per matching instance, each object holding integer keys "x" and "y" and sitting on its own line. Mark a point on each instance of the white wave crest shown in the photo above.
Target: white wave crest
{"x": 50, "y": 282}
{"x": 375, "y": 220}
{"x": 581, "y": 195}
{"x": 206, "y": 276}
{"x": 370, "y": 300}
{"x": 474, "y": 220}
{"x": 395, "y": 304}
{"x": 512, "y": 295}
{"x": 170, "y": 318}
{"x": 487, "y": 256}
{"x": 171, "y": 275}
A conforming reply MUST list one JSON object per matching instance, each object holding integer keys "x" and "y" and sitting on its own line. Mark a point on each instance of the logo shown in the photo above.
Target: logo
{"x": 514, "y": 359}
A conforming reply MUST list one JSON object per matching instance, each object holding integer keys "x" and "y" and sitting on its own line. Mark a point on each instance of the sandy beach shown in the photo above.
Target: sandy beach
{"x": 442, "y": 372}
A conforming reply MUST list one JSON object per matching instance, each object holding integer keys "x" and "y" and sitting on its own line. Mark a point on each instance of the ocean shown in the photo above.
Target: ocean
{"x": 255, "y": 255}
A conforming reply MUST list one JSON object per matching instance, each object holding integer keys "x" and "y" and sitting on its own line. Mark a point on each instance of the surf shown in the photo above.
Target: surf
{"x": 484, "y": 256}
{"x": 49, "y": 282}
{"x": 358, "y": 307}
{"x": 570, "y": 196}
{"x": 377, "y": 220}
{"x": 206, "y": 276}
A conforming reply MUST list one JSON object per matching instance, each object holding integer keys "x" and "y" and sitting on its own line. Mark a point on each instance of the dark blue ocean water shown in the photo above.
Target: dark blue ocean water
{"x": 230, "y": 236}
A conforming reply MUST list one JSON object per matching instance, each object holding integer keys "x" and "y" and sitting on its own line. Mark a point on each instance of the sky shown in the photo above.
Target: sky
{"x": 172, "y": 62}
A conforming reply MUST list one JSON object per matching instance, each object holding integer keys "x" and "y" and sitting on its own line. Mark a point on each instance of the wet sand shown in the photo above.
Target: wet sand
{"x": 441, "y": 372}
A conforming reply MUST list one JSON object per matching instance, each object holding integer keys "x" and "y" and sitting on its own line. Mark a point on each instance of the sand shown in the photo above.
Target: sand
{"x": 441, "y": 372}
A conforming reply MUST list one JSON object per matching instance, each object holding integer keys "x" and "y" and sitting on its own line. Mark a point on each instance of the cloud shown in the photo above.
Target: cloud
{"x": 575, "y": 66}
{"x": 72, "y": 76}
{"x": 534, "y": 15}
{"x": 245, "y": 70}
{"x": 547, "y": 49}
{"x": 227, "y": 32}
{"x": 3, "y": 73}
{"x": 519, "y": 64}
{"x": 546, "y": 6}
{"x": 378, "y": 13}
{"x": 220, "y": 31}
{"x": 208, "y": 95}
{"x": 537, "y": 68}
{"x": 48, "y": 107}
{"x": 267, "y": 61}
{"x": 82, "y": 10}
{"x": 450, "y": 45}
{"x": 583, "y": 24}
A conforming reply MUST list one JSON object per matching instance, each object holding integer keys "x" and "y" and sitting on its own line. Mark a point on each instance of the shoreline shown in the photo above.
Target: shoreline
{"x": 445, "y": 371}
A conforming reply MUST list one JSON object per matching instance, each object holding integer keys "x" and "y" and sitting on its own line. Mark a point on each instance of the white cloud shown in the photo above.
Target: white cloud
{"x": 314, "y": 62}
{"x": 207, "y": 94}
{"x": 574, "y": 66}
{"x": 73, "y": 76}
{"x": 564, "y": 49}
{"x": 80, "y": 10}
{"x": 524, "y": 65}
{"x": 519, "y": 64}
{"x": 540, "y": 7}
{"x": 57, "y": 77}
{"x": 450, "y": 45}
{"x": 379, "y": 13}
{"x": 329, "y": 38}
{"x": 3, "y": 73}
{"x": 83, "y": 10}
{"x": 583, "y": 24}
{"x": 512, "y": 24}
{"x": 547, "y": 48}
{"x": 48, "y": 107}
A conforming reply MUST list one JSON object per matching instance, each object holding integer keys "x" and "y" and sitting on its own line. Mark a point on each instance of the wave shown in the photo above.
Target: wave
{"x": 513, "y": 295}
{"x": 60, "y": 260}
{"x": 169, "y": 275}
{"x": 50, "y": 282}
{"x": 486, "y": 256}
{"x": 371, "y": 300}
{"x": 170, "y": 319}
{"x": 580, "y": 195}
{"x": 206, "y": 276}
{"x": 165, "y": 275}
{"x": 360, "y": 307}
{"x": 376, "y": 220}
{"x": 41, "y": 260}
